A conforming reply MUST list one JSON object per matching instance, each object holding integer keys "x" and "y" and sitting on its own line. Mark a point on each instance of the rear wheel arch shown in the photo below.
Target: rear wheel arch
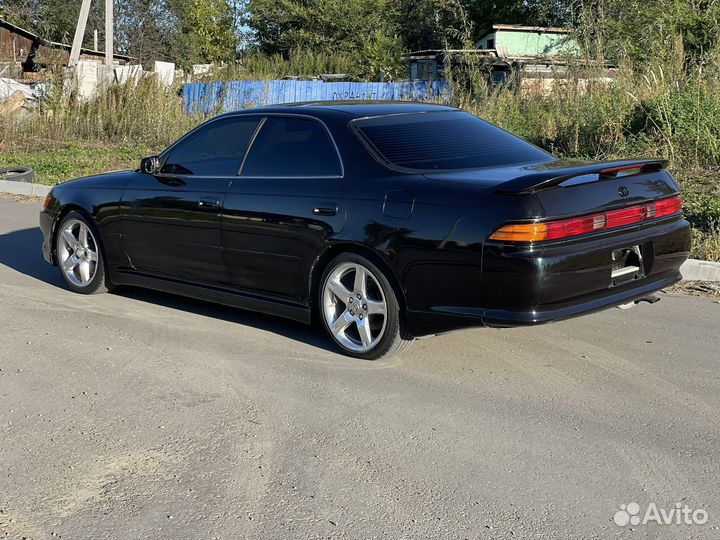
{"x": 332, "y": 251}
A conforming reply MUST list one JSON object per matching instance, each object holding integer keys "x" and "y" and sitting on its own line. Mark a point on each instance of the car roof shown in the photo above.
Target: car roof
{"x": 354, "y": 109}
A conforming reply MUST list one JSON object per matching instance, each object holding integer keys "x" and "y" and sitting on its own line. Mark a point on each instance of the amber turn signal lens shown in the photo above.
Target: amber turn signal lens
{"x": 48, "y": 200}
{"x": 523, "y": 232}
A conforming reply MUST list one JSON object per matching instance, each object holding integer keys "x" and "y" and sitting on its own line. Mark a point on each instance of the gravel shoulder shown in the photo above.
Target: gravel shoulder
{"x": 710, "y": 289}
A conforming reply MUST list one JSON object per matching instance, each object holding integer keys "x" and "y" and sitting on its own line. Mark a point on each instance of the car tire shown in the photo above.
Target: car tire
{"x": 359, "y": 308}
{"x": 80, "y": 255}
{"x": 17, "y": 174}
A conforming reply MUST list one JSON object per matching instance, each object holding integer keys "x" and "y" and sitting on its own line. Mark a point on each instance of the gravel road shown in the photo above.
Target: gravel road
{"x": 143, "y": 415}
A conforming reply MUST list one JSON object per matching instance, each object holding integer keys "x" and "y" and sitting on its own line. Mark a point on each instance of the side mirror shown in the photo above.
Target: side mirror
{"x": 150, "y": 165}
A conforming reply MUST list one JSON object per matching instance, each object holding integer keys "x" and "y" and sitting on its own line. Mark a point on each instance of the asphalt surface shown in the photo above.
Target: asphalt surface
{"x": 143, "y": 415}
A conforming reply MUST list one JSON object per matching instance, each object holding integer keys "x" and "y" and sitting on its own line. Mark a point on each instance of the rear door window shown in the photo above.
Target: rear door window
{"x": 287, "y": 147}
{"x": 215, "y": 149}
{"x": 447, "y": 140}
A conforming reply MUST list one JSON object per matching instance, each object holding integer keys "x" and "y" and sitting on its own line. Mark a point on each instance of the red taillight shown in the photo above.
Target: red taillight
{"x": 565, "y": 228}
{"x": 668, "y": 207}
{"x": 575, "y": 226}
{"x": 625, "y": 216}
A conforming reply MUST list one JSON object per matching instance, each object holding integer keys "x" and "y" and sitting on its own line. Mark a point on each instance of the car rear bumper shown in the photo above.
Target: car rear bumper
{"x": 526, "y": 285}
{"x": 505, "y": 318}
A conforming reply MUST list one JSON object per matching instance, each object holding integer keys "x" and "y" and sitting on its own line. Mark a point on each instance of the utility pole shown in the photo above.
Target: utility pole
{"x": 109, "y": 35}
{"x": 79, "y": 33}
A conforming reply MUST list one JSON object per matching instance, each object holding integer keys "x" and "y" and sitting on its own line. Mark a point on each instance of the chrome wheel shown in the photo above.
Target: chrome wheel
{"x": 77, "y": 253}
{"x": 354, "y": 307}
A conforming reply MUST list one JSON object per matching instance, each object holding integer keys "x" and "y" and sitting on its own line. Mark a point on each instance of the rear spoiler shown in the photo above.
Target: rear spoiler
{"x": 553, "y": 174}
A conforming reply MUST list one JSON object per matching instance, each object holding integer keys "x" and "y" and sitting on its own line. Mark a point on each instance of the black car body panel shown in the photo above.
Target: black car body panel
{"x": 96, "y": 196}
{"x": 260, "y": 242}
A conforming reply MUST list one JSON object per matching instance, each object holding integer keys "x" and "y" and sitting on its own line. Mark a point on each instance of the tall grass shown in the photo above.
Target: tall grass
{"x": 147, "y": 112}
{"x": 144, "y": 113}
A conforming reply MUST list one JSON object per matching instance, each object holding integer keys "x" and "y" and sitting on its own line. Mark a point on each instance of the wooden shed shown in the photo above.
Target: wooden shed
{"x": 16, "y": 45}
{"x": 22, "y": 52}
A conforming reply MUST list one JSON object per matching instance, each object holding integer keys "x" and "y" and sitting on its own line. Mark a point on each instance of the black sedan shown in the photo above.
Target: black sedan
{"x": 383, "y": 221}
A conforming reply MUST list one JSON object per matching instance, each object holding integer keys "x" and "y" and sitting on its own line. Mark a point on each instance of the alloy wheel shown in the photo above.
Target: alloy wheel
{"x": 354, "y": 307}
{"x": 77, "y": 253}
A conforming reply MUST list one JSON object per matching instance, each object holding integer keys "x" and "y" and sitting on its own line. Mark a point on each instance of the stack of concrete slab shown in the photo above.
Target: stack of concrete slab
{"x": 165, "y": 72}
{"x": 126, "y": 74}
{"x": 87, "y": 79}
{"x": 198, "y": 70}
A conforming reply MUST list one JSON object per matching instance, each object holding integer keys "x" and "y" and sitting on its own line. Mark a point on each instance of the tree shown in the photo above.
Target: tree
{"x": 435, "y": 24}
{"x": 146, "y": 29}
{"x": 206, "y": 31}
{"x": 366, "y": 30}
{"x": 54, "y": 20}
{"x": 646, "y": 32}
{"x": 485, "y": 13}
{"x": 184, "y": 31}
{"x": 20, "y": 12}
{"x": 281, "y": 26}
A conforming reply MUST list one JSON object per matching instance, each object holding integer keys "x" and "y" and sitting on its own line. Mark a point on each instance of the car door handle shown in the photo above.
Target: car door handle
{"x": 209, "y": 204}
{"x": 325, "y": 210}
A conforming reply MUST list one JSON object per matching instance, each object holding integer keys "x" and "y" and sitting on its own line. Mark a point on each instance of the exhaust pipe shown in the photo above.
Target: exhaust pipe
{"x": 650, "y": 299}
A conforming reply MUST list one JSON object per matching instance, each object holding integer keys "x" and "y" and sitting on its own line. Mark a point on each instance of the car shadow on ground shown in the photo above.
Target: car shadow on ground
{"x": 310, "y": 335}
{"x": 20, "y": 250}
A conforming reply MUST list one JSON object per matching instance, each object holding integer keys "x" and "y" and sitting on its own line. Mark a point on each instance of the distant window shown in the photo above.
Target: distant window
{"x": 490, "y": 44}
{"x": 292, "y": 147}
{"x": 446, "y": 140}
{"x": 414, "y": 71}
{"x": 426, "y": 70}
{"x": 216, "y": 149}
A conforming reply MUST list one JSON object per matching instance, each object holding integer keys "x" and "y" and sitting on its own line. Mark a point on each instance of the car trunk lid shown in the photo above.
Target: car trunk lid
{"x": 570, "y": 188}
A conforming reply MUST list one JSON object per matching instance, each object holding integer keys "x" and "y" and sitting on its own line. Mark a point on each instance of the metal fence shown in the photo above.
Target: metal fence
{"x": 216, "y": 97}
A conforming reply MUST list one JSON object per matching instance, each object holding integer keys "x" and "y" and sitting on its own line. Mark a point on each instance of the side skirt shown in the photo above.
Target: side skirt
{"x": 218, "y": 295}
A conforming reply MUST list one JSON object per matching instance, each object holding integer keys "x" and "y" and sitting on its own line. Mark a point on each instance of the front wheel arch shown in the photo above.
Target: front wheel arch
{"x": 64, "y": 211}
{"x": 100, "y": 282}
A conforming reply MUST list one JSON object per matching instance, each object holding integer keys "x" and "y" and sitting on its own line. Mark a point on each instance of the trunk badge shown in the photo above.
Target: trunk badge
{"x": 623, "y": 191}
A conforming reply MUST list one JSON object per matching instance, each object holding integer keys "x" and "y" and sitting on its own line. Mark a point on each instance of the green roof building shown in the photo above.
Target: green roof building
{"x": 514, "y": 41}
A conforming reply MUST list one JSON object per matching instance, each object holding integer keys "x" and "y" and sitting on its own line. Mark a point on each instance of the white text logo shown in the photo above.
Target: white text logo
{"x": 630, "y": 514}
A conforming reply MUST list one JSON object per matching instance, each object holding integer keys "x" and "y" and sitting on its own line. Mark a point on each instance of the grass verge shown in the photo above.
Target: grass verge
{"x": 56, "y": 162}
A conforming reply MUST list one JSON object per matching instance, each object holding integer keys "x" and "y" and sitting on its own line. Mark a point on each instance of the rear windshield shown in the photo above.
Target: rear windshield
{"x": 447, "y": 140}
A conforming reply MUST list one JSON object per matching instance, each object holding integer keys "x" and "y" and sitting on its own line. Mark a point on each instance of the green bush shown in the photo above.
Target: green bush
{"x": 703, "y": 212}
{"x": 706, "y": 245}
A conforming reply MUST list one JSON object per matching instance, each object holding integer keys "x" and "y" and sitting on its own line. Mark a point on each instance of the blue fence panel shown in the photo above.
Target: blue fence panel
{"x": 215, "y": 97}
